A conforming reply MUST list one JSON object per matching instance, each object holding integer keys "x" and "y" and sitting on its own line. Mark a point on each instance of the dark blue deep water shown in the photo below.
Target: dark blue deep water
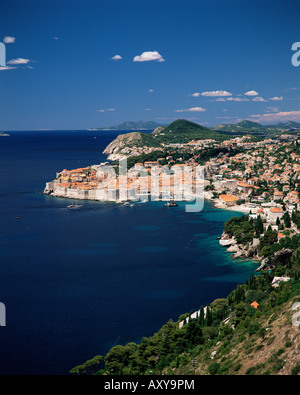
{"x": 76, "y": 283}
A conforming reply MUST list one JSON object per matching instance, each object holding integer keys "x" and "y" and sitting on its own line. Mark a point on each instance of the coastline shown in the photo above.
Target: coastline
{"x": 245, "y": 253}
{"x": 248, "y": 252}
{"x": 219, "y": 205}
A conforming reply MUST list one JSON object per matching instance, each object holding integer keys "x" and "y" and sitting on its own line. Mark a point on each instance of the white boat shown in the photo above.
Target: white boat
{"x": 74, "y": 206}
{"x": 171, "y": 204}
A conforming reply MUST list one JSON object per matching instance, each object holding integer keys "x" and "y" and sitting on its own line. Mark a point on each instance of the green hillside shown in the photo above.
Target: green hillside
{"x": 255, "y": 127}
{"x": 232, "y": 338}
{"x": 243, "y": 126}
{"x": 181, "y": 131}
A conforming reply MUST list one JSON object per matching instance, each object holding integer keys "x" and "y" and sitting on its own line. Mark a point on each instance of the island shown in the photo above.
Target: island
{"x": 129, "y": 125}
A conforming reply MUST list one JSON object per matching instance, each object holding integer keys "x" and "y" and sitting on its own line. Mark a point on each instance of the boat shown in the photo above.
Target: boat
{"x": 171, "y": 204}
{"x": 74, "y": 206}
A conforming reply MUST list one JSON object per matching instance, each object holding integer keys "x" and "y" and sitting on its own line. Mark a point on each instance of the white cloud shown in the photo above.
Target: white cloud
{"x": 276, "y": 98}
{"x": 273, "y": 109}
{"x": 18, "y": 61}
{"x": 196, "y": 94}
{"x": 251, "y": 93}
{"x": 7, "y": 68}
{"x": 292, "y": 89}
{"x": 226, "y": 117}
{"x": 9, "y": 40}
{"x": 148, "y": 56}
{"x": 151, "y": 90}
{"x": 216, "y": 93}
{"x": 192, "y": 109}
{"x": 258, "y": 98}
{"x": 147, "y": 109}
{"x": 117, "y": 57}
{"x": 108, "y": 109}
{"x": 237, "y": 99}
{"x": 280, "y": 116}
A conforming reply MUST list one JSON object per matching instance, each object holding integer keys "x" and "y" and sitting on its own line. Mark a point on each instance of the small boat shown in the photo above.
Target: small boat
{"x": 171, "y": 204}
{"x": 74, "y": 206}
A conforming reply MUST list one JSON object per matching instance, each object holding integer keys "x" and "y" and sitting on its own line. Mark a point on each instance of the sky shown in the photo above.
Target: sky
{"x": 74, "y": 64}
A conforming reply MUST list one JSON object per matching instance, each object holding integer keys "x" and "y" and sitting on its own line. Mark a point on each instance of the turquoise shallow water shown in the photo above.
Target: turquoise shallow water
{"x": 76, "y": 282}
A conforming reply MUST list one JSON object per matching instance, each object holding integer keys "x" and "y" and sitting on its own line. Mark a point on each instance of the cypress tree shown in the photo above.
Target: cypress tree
{"x": 201, "y": 316}
{"x": 287, "y": 220}
{"x": 208, "y": 316}
{"x": 259, "y": 226}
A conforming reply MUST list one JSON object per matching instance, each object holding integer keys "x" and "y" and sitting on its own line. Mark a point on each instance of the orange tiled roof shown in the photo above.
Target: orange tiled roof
{"x": 276, "y": 210}
{"x": 228, "y": 198}
{"x": 244, "y": 184}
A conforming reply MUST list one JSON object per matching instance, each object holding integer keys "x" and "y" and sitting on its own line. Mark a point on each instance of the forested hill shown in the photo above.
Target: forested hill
{"x": 179, "y": 131}
{"x": 247, "y": 126}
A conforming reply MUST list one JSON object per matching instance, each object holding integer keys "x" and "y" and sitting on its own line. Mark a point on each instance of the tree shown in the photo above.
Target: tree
{"x": 194, "y": 332}
{"x": 287, "y": 220}
{"x": 91, "y": 366}
{"x": 201, "y": 316}
{"x": 118, "y": 357}
{"x": 259, "y": 226}
{"x": 208, "y": 320}
{"x": 213, "y": 368}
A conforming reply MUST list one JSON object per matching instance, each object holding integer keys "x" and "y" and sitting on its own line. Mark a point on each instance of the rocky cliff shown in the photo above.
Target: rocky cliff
{"x": 123, "y": 140}
{"x": 248, "y": 251}
{"x": 281, "y": 256}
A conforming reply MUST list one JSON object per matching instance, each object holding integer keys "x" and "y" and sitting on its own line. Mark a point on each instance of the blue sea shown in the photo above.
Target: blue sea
{"x": 77, "y": 282}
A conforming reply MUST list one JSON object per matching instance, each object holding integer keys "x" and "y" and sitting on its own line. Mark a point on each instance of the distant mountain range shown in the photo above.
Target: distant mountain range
{"x": 128, "y": 125}
{"x": 240, "y": 127}
{"x": 252, "y": 127}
